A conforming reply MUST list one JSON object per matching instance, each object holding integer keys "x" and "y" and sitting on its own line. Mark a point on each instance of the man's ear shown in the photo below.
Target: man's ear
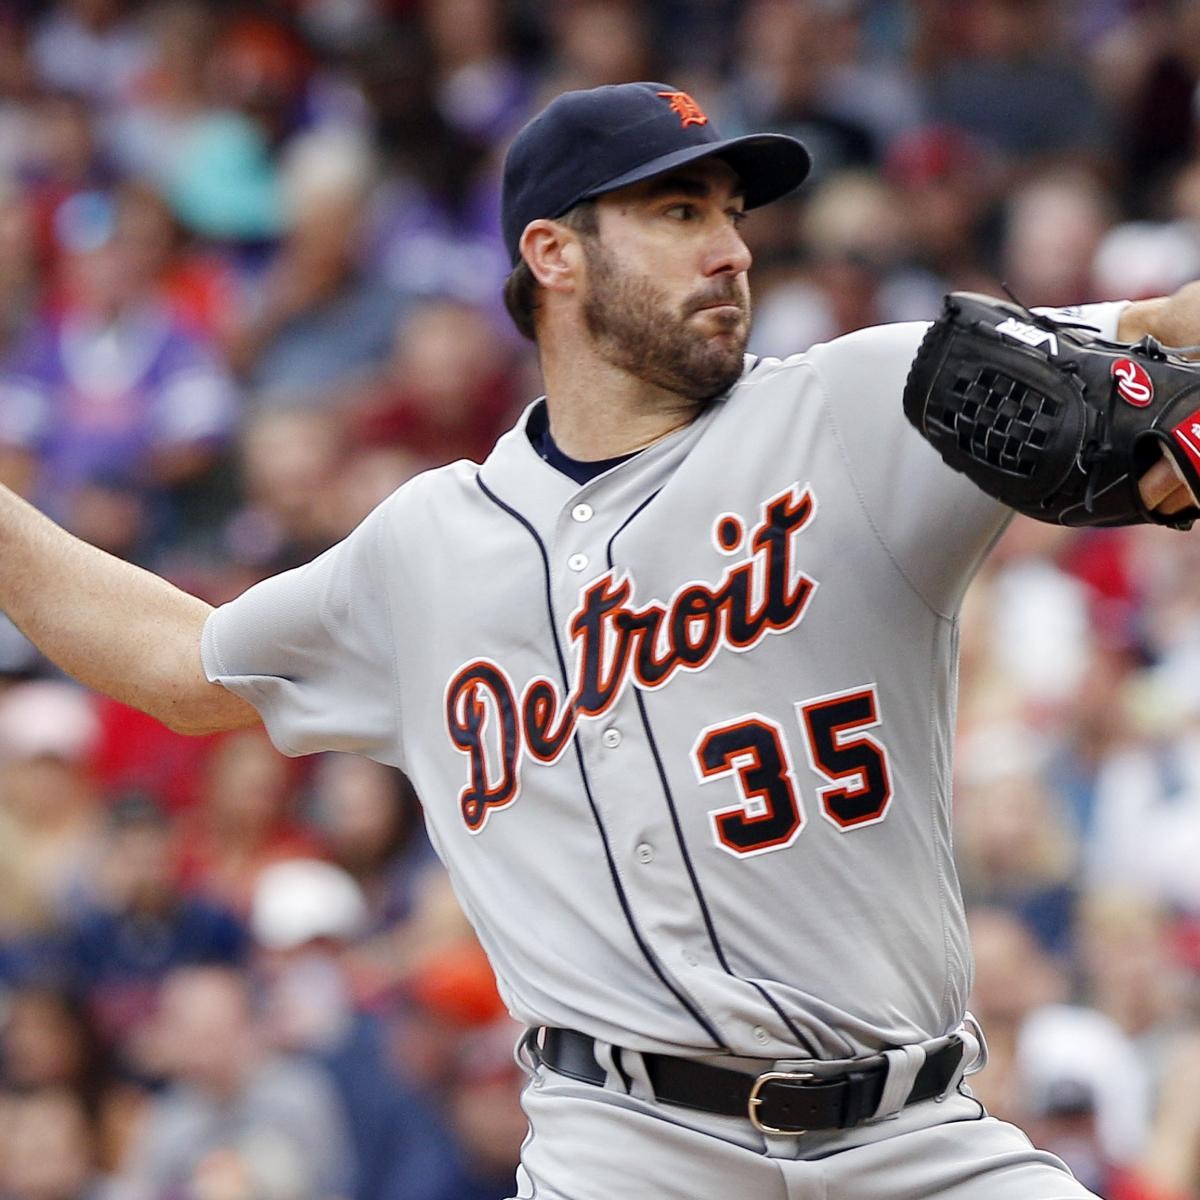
{"x": 553, "y": 254}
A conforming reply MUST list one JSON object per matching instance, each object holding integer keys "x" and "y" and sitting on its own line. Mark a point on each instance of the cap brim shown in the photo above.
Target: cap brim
{"x": 769, "y": 166}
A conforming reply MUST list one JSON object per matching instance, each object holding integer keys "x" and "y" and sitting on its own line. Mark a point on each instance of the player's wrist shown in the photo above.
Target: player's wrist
{"x": 1141, "y": 317}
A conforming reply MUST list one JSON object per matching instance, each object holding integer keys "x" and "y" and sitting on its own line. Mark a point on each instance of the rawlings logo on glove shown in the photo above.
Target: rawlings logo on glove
{"x": 1051, "y": 419}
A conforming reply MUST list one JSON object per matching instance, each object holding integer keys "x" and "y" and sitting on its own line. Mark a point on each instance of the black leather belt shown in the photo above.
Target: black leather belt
{"x": 776, "y": 1101}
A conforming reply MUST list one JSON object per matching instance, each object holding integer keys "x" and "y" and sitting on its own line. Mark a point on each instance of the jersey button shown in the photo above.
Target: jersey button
{"x": 611, "y": 738}
{"x": 582, "y": 512}
{"x": 577, "y": 562}
{"x": 760, "y": 1035}
{"x": 645, "y": 853}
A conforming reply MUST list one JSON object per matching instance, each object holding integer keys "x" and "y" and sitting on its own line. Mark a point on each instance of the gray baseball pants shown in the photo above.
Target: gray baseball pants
{"x": 596, "y": 1143}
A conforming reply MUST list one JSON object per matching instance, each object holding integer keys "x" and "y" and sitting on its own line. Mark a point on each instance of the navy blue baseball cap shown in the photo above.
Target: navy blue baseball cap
{"x": 590, "y": 142}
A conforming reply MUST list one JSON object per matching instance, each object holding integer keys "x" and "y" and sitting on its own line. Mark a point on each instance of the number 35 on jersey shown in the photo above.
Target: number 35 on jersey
{"x": 752, "y": 749}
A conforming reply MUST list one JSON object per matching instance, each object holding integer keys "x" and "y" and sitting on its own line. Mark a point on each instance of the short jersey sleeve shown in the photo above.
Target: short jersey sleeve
{"x": 313, "y": 649}
{"x": 934, "y": 522}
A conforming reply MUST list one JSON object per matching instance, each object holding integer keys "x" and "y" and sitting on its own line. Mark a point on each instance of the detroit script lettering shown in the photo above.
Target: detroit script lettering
{"x": 617, "y": 642}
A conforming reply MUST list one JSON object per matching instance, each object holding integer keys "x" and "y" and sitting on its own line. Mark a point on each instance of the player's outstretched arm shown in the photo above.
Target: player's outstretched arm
{"x": 113, "y": 626}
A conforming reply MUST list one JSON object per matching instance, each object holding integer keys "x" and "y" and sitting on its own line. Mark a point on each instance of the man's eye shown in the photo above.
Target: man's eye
{"x": 681, "y": 212}
{"x": 736, "y": 217}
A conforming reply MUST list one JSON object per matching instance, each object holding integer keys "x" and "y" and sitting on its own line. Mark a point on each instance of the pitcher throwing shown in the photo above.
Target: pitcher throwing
{"x": 673, "y": 673}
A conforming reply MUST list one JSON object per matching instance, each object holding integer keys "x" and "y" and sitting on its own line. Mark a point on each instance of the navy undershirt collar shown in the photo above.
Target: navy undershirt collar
{"x": 580, "y": 470}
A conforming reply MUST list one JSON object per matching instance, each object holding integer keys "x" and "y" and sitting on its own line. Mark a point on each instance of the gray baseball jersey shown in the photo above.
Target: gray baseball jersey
{"x": 682, "y": 734}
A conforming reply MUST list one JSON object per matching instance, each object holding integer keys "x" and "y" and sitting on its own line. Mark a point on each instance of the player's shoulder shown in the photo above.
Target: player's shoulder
{"x": 873, "y": 348}
{"x": 762, "y": 372}
{"x": 403, "y": 509}
{"x": 433, "y": 485}
{"x": 404, "y": 521}
{"x": 873, "y": 344}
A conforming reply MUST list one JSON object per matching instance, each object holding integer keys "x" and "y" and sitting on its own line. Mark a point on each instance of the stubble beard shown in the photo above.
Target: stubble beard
{"x": 631, "y": 321}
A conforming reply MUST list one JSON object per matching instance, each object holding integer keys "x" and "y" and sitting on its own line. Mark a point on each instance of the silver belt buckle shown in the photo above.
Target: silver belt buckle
{"x": 756, "y": 1100}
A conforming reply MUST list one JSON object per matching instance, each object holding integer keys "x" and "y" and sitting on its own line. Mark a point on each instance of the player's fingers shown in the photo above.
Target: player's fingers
{"x": 1179, "y": 499}
{"x": 1158, "y": 484}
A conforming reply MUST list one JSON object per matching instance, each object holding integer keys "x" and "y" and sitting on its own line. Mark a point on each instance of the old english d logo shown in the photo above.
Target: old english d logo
{"x": 685, "y": 108}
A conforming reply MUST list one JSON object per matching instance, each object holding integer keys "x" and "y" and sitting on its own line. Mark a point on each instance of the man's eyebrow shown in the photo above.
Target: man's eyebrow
{"x": 685, "y": 185}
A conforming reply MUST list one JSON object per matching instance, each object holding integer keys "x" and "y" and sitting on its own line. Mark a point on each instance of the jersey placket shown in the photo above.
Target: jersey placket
{"x": 618, "y": 760}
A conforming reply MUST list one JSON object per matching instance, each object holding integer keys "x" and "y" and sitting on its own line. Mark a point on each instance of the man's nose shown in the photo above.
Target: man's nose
{"x": 729, "y": 254}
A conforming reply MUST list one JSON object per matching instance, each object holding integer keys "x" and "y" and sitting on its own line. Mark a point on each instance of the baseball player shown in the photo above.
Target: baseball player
{"x": 673, "y": 672}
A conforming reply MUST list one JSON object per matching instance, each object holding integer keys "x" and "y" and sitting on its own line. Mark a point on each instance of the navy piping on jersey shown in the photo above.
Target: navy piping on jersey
{"x": 683, "y": 849}
{"x": 692, "y": 1010}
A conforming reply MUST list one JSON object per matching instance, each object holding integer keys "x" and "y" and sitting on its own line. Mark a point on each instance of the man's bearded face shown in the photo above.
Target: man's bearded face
{"x": 639, "y": 329}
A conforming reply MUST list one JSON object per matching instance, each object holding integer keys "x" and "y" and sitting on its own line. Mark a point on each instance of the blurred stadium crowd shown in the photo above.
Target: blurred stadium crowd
{"x": 250, "y": 282}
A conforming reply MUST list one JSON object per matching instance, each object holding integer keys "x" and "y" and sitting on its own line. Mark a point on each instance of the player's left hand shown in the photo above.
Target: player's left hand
{"x": 1162, "y": 488}
{"x": 1175, "y": 321}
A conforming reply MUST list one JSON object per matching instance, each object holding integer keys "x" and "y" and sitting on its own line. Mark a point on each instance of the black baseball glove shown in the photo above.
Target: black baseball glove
{"x": 1051, "y": 419}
